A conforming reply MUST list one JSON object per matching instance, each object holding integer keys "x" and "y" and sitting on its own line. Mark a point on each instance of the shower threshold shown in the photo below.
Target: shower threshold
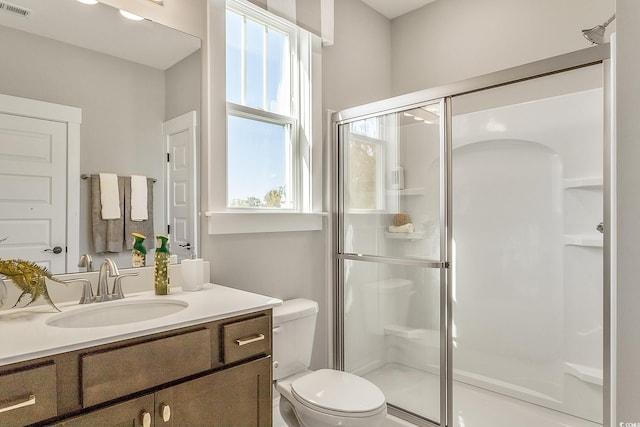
{"x": 417, "y": 392}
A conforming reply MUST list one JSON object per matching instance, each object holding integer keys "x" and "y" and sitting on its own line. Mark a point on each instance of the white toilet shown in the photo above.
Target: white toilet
{"x": 317, "y": 398}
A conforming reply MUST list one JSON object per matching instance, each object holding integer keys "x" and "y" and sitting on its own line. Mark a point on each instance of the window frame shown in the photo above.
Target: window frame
{"x": 256, "y": 14}
{"x": 277, "y": 119}
{"x": 310, "y": 157}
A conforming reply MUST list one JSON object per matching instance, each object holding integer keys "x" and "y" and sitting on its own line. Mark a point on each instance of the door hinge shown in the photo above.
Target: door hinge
{"x": 168, "y": 228}
{"x": 168, "y": 157}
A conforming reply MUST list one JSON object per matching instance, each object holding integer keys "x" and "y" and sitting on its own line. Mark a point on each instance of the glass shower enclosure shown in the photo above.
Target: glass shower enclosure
{"x": 470, "y": 248}
{"x": 393, "y": 252}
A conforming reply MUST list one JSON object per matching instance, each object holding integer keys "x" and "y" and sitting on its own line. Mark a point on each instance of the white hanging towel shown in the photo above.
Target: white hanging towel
{"x": 109, "y": 196}
{"x": 139, "y": 190}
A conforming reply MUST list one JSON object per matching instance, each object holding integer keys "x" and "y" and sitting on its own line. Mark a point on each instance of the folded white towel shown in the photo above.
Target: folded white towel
{"x": 407, "y": 228}
{"x": 109, "y": 196}
{"x": 139, "y": 210}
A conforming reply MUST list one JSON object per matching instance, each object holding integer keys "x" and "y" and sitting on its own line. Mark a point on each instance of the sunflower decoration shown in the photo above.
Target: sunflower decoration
{"x": 29, "y": 277}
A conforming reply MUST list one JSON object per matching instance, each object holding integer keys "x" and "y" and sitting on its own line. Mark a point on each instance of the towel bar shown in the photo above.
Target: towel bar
{"x": 85, "y": 176}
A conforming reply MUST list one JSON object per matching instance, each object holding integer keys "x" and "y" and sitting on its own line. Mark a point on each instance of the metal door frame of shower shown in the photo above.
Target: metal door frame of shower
{"x": 583, "y": 58}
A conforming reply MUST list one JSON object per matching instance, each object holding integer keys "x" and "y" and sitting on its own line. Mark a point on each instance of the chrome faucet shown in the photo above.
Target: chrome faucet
{"x": 86, "y": 261}
{"x": 108, "y": 268}
{"x": 103, "y": 284}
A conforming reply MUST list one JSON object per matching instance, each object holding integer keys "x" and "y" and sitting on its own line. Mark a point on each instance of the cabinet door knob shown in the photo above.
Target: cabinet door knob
{"x": 165, "y": 411}
{"x": 146, "y": 419}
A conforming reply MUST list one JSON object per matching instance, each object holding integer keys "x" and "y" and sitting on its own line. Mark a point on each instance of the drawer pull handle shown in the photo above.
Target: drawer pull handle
{"x": 245, "y": 341}
{"x": 19, "y": 402}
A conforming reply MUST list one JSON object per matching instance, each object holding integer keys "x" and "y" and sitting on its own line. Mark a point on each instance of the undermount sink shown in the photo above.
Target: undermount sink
{"x": 117, "y": 313}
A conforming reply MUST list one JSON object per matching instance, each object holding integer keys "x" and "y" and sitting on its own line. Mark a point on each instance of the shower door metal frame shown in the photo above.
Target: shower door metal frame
{"x": 599, "y": 54}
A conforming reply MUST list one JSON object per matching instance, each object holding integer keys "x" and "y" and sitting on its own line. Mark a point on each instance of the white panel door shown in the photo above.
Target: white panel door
{"x": 180, "y": 137}
{"x": 33, "y": 190}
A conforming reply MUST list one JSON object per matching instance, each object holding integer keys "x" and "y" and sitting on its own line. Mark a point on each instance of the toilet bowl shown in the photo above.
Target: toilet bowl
{"x": 325, "y": 397}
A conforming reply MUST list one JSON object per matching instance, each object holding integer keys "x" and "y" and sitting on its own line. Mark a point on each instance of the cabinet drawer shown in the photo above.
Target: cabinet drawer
{"x": 28, "y": 396}
{"x": 246, "y": 338}
{"x": 115, "y": 373}
{"x": 129, "y": 413}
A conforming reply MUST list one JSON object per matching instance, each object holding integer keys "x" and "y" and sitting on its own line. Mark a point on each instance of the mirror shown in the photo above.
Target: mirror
{"x": 128, "y": 78}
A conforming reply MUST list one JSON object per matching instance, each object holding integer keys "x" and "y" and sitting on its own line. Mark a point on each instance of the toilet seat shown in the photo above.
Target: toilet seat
{"x": 338, "y": 393}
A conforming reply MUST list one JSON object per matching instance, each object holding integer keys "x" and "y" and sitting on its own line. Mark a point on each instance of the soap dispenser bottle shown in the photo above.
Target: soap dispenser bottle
{"x": 139, "y": 251}
{"x": 161, "y": 266}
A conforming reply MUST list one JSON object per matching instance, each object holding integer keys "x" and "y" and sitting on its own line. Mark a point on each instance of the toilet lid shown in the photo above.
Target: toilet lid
{"x": 337, "y": 391}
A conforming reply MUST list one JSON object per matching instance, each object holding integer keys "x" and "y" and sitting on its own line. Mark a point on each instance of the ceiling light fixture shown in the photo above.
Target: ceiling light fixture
{"x": 88, "y": 1}
{"x": 130, "y": 15}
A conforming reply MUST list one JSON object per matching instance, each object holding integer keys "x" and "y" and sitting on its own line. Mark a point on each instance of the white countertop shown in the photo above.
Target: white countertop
{"x": 25, "y": 335}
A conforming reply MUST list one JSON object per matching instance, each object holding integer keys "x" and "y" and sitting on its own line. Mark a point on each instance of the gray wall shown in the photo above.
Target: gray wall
{"x": 357, "y": 67}
{"x": 628, "y": 211}
{"x": 448, "y": 41}
{"x": 183, "y": 86}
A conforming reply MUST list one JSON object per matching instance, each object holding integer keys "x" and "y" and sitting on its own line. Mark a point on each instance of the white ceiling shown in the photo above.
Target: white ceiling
{"x": 394, "y": 8}
{"x": 101, "y": 28}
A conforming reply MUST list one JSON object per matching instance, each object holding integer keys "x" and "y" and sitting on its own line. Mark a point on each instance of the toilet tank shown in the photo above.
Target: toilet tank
{"x": 294, "y": 325}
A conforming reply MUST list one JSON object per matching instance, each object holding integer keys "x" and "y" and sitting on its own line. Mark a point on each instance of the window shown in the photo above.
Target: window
{"x": 262, "y": 111}
{"x": 365, "y": 165}
{"x": 266, "y": 170}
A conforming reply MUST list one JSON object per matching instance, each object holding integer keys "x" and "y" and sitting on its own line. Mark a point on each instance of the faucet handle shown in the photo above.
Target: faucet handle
{"x": 87, "y": 291}
{"x": 117, "y": 285}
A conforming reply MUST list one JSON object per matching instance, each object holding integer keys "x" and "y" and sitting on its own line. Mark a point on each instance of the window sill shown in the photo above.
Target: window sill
{"x": 263, "y": 222}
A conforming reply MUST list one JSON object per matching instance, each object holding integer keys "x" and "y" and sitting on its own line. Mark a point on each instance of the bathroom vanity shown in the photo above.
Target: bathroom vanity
{"x": 207, "y": 364}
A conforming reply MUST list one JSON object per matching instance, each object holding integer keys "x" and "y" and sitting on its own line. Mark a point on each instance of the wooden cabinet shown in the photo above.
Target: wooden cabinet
{"x": 130, "y": 413}
{"x": 28, "y": 394}
{"x": 239, "y": 396}
{"x": 109, "y": 374}
{"x": 212, "y": 374}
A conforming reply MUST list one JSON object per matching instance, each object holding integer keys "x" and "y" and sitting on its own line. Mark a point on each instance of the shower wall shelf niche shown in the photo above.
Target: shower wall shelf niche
{"x": 596, "y": 181}
{"x": 418, "y": 235}
{"x": 585, "y": 373}
{"x": 418, "y": 191}
{"x": 583, "y": 240}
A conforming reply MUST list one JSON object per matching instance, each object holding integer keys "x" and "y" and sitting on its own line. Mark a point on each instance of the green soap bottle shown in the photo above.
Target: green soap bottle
{"x": 139, "y": 251}
{"x": 161, "y": 266}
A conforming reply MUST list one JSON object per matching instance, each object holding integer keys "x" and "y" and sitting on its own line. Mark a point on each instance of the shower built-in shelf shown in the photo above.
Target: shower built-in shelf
{"x": 584, "y": 373}
{"x": 590, "y": 182}
{"x": 416, "y": 235}
{"x": 429, "y": 337}
{"x": 418, "y": 191}
{"x": 593, "y": 240}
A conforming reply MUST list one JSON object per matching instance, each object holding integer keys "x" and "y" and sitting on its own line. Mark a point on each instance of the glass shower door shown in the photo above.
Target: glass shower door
{"x": 390, "y": 255}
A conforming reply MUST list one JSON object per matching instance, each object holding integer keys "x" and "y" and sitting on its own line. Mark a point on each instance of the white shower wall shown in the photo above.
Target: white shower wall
{"x": 527, "y": 198}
